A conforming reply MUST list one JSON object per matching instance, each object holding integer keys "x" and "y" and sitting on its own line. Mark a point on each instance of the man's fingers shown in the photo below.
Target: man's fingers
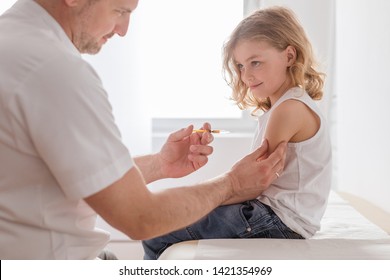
{"x": 278, "y": 157}
{"x": 261, "y": 152}
{"x": 198, "y": 160}
{"x": 206, "y": 137}
{"x": 201, "y": 150}
{"x": 181, "y": 134}
{"x": 206, "y": 126}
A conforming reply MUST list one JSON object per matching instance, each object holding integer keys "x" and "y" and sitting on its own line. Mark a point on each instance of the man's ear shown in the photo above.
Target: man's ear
{"x": 291, "y": 55}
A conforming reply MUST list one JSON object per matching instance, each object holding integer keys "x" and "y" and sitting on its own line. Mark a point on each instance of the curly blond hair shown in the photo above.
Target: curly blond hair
{"x": 279, "y": 27}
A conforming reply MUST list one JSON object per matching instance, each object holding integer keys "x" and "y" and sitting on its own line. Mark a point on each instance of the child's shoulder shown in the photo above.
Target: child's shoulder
{"x": 294, "y": 119}
{"x": 290, "y": 108}
{"x": 294, "y": 101}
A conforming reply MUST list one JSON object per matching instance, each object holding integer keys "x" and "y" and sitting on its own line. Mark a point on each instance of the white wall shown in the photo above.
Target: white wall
{"x": 363, "y": 90}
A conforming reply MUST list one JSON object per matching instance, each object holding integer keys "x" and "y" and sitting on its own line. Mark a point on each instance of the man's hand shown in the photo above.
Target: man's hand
{"x": 255, "y": 172}
{"x": 185, "y": 152}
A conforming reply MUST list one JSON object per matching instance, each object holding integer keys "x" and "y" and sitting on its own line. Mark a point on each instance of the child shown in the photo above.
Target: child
{"x": 270, "y": 66}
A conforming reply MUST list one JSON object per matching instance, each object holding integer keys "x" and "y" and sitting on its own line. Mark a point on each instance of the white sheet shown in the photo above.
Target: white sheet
{"x": 344, "y": 234}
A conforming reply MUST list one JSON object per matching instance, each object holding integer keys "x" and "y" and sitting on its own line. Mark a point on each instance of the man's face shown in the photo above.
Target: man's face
{"x": 96, "y": 21}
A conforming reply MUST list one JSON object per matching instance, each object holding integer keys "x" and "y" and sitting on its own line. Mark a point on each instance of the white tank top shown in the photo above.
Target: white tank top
{"x": 299, "y": 196}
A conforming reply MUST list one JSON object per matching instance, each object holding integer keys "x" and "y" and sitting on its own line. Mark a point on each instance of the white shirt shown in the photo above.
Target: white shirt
{"x": 58, "y": 141}
{"x": 299, "y": 196}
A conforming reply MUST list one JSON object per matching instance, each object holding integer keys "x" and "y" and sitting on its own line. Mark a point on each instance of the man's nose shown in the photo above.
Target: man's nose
{"x": 122, "y": 26}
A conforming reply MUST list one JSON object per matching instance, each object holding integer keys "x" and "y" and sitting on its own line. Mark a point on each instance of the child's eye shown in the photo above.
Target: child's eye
{"x": 255, "y": 63}
{"x": 240, "y": 67}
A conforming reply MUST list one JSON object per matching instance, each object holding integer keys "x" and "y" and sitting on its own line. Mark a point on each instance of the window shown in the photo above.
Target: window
{"x": 181, "y": 57}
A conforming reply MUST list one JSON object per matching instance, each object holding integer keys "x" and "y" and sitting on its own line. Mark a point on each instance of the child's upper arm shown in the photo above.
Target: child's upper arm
{"x": 285, "y": 123}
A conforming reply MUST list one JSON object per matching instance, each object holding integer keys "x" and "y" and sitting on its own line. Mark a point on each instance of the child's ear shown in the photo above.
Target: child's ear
{"x": 291, "y": 55}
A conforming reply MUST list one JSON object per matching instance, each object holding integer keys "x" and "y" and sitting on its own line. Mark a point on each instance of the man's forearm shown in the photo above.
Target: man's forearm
{"x": 181, "y": 206}
{"x": 149, "y": 167}
{"x": 141, "y": 214}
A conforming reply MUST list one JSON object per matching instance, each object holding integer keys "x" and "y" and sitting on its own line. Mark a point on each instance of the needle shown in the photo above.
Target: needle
{"x": 211, "y": 131}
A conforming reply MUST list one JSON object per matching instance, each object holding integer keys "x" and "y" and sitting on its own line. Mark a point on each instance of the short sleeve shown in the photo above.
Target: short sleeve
{"x": 70, "y": 121}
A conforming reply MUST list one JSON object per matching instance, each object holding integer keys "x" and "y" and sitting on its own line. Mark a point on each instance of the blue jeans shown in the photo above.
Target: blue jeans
{"x": 251, "y": 219}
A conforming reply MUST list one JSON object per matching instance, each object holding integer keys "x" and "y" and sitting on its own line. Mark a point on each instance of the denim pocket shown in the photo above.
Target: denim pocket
{"x": 262, "y": 222}
{"x": 257, "y": 217}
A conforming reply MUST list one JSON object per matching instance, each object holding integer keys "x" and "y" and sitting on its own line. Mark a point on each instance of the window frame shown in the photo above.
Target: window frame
{"x": 242, "y": 125}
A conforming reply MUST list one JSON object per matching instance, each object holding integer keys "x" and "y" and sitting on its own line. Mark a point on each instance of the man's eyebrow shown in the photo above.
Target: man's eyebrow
{"x": 127, "y": 10}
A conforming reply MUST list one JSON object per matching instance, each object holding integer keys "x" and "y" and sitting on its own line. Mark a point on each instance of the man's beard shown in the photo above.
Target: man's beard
{"x": 87, "y": 44}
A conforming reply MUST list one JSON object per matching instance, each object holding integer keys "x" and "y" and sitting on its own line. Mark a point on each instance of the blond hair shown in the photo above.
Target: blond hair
{"x": 279, "y": 27}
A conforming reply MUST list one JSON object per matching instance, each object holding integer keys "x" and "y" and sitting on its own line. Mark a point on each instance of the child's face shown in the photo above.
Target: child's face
{"x": 263, "y": 68}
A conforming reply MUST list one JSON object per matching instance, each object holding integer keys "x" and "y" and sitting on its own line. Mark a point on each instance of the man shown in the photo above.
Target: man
{"x": 61, "y": 156}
